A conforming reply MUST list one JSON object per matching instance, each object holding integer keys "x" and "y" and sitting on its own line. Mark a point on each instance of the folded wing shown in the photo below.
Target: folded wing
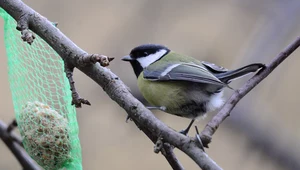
{"x": 181, "y": 72}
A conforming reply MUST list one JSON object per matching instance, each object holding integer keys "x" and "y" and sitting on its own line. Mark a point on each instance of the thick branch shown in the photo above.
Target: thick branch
{"x": 213, "y": 125}
{"x": 16, "y": 149}
{"x": 113, "y": 86}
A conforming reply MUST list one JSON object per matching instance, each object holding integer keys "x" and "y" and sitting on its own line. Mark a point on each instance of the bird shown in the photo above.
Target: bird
{"x": 179, "y": 84}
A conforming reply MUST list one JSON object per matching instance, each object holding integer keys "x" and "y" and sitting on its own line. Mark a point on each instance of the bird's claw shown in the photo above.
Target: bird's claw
{"x": 186, "y": 131}
{"x": 162, "y": 108}
{"x": 198, "y": 139}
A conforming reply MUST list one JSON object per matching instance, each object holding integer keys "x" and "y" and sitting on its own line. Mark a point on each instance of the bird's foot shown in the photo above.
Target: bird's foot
{"x": 186, "y": 131}
{"x": 198, "y": 139}
{"x": 162, "y": 108}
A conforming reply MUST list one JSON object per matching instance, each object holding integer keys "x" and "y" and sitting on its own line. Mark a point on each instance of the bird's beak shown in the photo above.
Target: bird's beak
{"x": 127, "y": 58}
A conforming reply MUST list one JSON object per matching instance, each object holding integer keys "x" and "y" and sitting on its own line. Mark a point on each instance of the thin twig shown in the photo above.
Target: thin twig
{"x": 169, "y": 154}
{"x": 167, "y": 151}
{"x": 213, "y": 125}
{"x": 14, "y": 137}
{"x": 23, "y": 158}
{"x": 83, "y": 61}
{"x": 76, "y": 99}
{"x": 12, "y": 125}
{"x": 94, "y": 58}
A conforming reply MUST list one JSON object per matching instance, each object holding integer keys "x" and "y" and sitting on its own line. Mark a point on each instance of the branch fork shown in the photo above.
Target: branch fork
{"x": 14, "y": 143}
{"x": 216, "y": 121}
{"x": 83, "y": 61}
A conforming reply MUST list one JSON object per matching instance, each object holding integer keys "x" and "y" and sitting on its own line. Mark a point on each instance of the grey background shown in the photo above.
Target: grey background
{"x": 263, "y": 131}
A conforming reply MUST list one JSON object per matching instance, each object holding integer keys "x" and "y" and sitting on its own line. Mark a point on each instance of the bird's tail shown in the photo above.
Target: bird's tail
{"x": 228, "y": 76}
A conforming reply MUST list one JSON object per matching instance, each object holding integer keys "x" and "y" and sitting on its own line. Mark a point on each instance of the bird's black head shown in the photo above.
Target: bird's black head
{"x": 146, "y": 50}
{"x": 142, "y": 56}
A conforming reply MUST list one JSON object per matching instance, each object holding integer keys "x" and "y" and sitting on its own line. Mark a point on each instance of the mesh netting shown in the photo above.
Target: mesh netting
{"x": 42, "y": 101}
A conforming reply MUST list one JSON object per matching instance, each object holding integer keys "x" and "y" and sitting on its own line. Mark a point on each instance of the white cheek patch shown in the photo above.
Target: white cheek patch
{"x": 146, "y": 61}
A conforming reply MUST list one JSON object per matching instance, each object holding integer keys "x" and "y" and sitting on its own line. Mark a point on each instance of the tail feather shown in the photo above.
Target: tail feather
{"x": 226, "y": 77}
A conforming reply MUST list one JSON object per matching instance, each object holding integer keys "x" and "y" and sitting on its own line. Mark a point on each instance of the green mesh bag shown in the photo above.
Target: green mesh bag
{"x": 42, "y": 101}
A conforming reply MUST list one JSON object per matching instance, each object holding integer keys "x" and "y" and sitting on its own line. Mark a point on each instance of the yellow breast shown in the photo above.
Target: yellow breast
{"x": 160, "y": 93}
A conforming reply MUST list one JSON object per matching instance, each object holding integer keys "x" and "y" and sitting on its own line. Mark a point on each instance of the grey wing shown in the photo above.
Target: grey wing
{"x": 214, "y": 68}
{"x": 181, "y": 72}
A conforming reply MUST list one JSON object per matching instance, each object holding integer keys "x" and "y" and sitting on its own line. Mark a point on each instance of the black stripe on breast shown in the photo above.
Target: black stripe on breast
{"x": 137, "y": 68}
{"x": 194, "y": 108}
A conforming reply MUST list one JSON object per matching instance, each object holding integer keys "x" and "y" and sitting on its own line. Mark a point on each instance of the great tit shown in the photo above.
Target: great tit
{"x": 179, "y": 84}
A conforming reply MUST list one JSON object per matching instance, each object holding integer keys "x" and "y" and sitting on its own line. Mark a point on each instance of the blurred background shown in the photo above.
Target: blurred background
{"x": 263, "y": 131}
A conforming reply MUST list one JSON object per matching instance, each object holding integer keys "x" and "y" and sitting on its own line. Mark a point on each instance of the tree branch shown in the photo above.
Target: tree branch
{"x": 213, "y": 125}
{"x": 26, "y": 162}
{"x": 167, "y": 151}
{"x": 111, "y": 84}
{"x": 118, "y": 91}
